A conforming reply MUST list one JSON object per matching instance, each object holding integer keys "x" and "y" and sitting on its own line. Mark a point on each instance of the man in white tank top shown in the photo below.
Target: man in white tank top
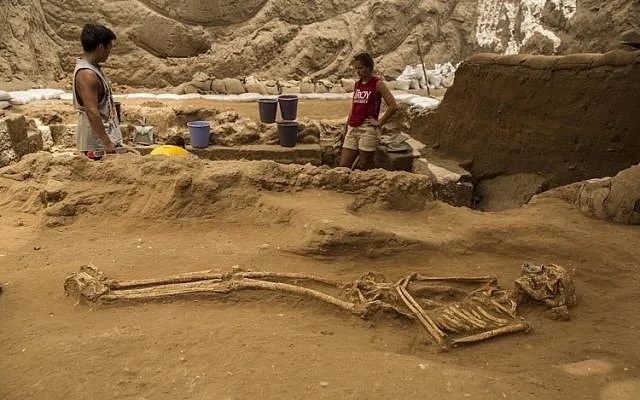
{"x": 98, "y": 128}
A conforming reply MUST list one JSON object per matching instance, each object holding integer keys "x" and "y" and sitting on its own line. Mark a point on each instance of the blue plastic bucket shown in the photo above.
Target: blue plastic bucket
{"x": 199, "y": 132}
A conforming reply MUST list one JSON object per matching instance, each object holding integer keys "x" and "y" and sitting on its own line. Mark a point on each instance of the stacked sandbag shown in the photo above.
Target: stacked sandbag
{"x": 415, "y": 77}
{"x": 411, "y": 78}
{"x": 5, "y": 98}
{"x": 22, "y": 97}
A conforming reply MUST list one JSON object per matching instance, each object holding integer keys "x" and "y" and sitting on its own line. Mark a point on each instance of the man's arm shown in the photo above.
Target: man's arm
{"x": 88, "y": 88}
{"x": 392, "y": 106}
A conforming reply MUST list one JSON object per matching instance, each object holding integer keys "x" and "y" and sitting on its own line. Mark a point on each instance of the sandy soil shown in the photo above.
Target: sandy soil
{"x": 264, "y": 345}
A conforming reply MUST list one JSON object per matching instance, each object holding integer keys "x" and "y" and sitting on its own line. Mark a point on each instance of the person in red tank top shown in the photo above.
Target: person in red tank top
{"x": 362, "y": 130}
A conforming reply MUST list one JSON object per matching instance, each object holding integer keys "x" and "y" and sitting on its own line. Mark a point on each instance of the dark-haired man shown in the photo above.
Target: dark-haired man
{"x": 362, "y": 130}
{"x": 98, "y": 128}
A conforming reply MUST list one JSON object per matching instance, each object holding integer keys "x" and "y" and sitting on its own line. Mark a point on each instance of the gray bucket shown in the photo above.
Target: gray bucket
{"x": 267, "y": 109}
{"x": 288, "y": 106}
{"x": 288, "y": 133}
{"x": 118, "y": 106}
{"x": 199, "y": 133}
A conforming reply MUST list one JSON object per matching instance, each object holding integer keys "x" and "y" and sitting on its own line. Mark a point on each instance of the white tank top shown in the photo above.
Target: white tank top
{"x": 86, "y": 139}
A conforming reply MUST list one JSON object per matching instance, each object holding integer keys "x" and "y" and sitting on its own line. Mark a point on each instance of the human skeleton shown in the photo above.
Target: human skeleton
{"x": 449, "y": 314}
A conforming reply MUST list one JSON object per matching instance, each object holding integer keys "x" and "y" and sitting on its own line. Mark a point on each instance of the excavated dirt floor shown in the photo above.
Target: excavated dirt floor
{"x": 127, "y": 217}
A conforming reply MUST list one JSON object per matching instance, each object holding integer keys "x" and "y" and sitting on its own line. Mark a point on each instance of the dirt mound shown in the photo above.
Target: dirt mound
{"x": 162, "y": 43}
{"x": 565, "y": 118}
{"x": 64, "y": 187}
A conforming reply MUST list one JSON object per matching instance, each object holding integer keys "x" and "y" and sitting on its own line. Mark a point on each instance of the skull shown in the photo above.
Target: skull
{"x": 548, "y": 283}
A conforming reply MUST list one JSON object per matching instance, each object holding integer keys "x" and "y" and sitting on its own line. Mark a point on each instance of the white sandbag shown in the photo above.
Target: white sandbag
{"x": 323, "y": 89}
{"x": 269, "y": 96}
{"x": 403, "y": 84}
{"x": 219, "y": 86}
{"x": 312, "y": 96}
{"x": 216, "y": 97}
{"x": 326, "y": 83}
{"x": 272, "y": 90}
{"x": 168, "y": 96}
{"x": 252, "y": 80}
{"x": 307, "y": 87}
{"x": 290, "y": 90}
{"x": 233, "y": 86}
{"x": 47, "y": 94}
{"x": 408, "y": 74}
{"x": 255, "y": 88}
{"x": 134, "y": 96}
{"x": 22, "y": 97}
{"x": 405, "y": 97}
{"x": 229, "y": 97}
{"x": 424, "y": 102}
{"x": 66, "y": 96}
{"x": 337, "y": 96}
{"x": 189, "y": 96}
{"x": 348, "y": 84}
{"x": 4, "y": 105}
{"x": 249, "y": 96}
{"x": 4, "y": 96}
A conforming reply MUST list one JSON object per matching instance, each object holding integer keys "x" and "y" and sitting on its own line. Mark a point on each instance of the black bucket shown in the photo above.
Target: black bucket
{"x": 288, "y": 133}
{"x": 267, "y": 109}
{"x": 288, "y": 106}
{"x": 118, "y": 107}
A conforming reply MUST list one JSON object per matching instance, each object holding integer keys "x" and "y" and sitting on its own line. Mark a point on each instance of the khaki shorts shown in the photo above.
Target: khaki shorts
{"x": 363, "y": 137}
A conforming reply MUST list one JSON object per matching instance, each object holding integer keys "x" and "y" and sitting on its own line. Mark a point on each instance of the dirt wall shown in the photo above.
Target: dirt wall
{"x": 162, "y": 43}
{"x": 568, "y": 118}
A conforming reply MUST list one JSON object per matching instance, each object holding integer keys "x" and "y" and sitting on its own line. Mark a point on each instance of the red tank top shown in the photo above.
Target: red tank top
{"x": 366, "y": 102}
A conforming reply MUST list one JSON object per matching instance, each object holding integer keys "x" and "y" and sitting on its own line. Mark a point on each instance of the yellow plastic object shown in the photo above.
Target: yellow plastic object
{"x": 169, "y": 150}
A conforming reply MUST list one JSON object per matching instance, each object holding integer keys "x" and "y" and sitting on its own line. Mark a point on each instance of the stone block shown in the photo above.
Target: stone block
{"x": 17, "y": 139}
{"x": 394, "y": 161}
{"x": 63, "y": 135}
{"x": 35, "y": 142}
{"x": 449, "y": 186}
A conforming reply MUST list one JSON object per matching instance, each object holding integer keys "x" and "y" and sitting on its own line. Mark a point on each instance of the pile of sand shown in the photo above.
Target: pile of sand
{"x": 63, "y": 187}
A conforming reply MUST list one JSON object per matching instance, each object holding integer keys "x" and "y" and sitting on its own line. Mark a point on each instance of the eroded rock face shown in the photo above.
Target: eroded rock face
{"x": 207, "y": 12}
{"x": 164, "y": 43}
{"x": 175, "y": 40}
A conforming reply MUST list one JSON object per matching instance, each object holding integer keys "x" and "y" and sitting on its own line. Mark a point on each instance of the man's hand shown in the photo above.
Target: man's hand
{"x": 108, "y": 145}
